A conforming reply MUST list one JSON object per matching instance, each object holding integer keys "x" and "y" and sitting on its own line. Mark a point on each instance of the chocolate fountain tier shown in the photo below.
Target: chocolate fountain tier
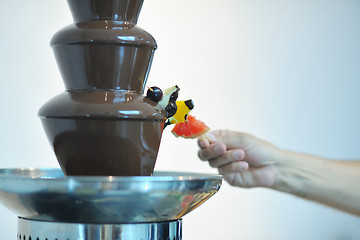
{"x": 102, "y": 104}
{"x": 104, "y": 48}
{"x": 104, "y": 54}
{"x": 103, "y": 133}
{"x": 48, "y": 195}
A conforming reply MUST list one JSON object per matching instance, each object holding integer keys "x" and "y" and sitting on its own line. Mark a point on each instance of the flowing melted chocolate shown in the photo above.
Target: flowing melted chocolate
{"x": 101, "y": 124}
{"x": 104, "y": 146}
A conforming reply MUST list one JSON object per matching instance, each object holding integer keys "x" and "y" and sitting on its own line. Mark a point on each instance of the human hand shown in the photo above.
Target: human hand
{"x": 247, "y": 161}
{"x": 242, "y": 159}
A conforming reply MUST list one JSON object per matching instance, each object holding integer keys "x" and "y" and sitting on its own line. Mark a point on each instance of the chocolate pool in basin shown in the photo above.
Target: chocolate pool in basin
{"x": 102, "y": 124}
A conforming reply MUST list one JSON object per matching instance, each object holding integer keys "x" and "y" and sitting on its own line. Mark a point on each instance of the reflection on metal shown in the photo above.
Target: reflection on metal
{"x": 30, "y": 229}
{"x": 48, "y": 195}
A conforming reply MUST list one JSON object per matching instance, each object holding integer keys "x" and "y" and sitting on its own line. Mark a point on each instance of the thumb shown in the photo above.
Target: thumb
{"x": 230, "y": 139}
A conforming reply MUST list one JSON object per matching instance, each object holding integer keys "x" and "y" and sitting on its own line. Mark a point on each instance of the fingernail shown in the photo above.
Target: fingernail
{"x": 219, "y": 149}
{"x": 202, "y": 143}
{"x": 238, "y": 154}
{"x": 210, "y": 137}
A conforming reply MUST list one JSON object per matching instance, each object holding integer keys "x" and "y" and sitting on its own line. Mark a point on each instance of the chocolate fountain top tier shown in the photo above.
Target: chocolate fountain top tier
{"x": 118, "y": 10}
{"x": 104, "y": 59}
{"x": 104, "y": 48}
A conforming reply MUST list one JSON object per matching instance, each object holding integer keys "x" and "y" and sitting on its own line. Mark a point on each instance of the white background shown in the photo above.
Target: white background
{"x": 286, "y": 71}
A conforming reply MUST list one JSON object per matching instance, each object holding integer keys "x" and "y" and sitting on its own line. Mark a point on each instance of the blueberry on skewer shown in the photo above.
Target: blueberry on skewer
{"x": 154, "y": 94}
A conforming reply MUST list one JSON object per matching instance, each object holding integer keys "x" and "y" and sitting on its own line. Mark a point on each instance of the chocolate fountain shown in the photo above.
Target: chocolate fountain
{"x": 101, "y": 124}
{"x": 105, "y": 135}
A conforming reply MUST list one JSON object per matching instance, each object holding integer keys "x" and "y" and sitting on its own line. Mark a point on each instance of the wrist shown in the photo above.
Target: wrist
{"x": 298, "y": 173}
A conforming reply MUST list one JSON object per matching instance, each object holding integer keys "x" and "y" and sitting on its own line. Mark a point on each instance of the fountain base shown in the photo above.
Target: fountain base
{"x": 52, "y": 206}
{"x": 41, "y": 230}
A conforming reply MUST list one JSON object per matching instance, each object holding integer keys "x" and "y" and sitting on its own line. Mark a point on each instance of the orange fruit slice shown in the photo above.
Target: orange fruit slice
{"x": 191, "y": 128}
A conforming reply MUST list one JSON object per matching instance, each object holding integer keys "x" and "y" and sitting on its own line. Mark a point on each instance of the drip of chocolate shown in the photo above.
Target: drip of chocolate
{"x": 102, "y": 124}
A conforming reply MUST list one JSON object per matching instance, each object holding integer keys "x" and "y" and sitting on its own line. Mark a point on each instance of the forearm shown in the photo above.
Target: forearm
{"x": 334, "y": 183}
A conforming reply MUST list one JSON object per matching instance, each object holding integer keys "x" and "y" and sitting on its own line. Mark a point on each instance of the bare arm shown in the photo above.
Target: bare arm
{"x": 333, "y": 183}
{"x": 247, "y": 161}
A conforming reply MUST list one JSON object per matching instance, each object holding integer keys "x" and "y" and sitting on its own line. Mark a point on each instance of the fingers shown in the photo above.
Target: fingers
{"x": 234, "y": 167}
{"x": 206, "y": 139}
{"x": 212, "y": 151}
{"x": 227, "y": 161}
{"x": 211, "y": 145}
{"x": 224, "y": 150}
{"x": 231, "y": 172}
{"x": 203, "y": 142}
{"x": 231, "y": 139}
{"x": 228, "y": 157}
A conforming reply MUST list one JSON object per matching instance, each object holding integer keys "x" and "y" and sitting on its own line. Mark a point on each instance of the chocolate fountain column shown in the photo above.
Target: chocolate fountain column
{"x": 102, "y": 124}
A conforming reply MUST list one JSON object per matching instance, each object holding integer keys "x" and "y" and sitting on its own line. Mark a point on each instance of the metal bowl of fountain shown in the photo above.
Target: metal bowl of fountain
{"x": 48, "y": 195}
